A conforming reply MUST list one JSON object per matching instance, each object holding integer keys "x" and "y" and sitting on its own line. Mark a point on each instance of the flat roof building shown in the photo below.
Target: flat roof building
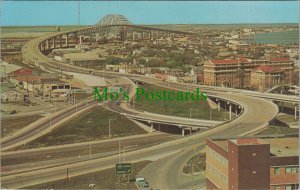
{"x": 252, "y": 163}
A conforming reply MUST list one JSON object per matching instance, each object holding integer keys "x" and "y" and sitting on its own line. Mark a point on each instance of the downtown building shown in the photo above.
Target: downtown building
{"x": 252, "y": 163}
{"x": 245, "y": 73}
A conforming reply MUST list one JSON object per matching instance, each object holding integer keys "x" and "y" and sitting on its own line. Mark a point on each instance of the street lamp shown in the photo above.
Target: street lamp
{"x": 109, "y": 126}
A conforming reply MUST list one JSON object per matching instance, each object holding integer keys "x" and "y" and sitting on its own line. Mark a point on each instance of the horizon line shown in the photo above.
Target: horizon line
{"x": 156, "y": 24}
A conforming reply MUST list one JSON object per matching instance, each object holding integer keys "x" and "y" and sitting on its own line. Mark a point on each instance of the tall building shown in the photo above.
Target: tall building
{"x": 236, "y": 73}
{"x": 252, "y": 163}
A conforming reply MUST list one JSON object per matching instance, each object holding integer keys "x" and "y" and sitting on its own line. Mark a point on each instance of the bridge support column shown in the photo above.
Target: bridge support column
{"x": 47, "y": 44}
{"x": 53, "y": 40}
{"x": 219, "y": 107}
{"x": 236, "y": 112}
{"x": 60, "y": 42}
{"x": 67, "y": 41}
{"x": 295, "y": 111}
{"x": 80, "y": 39}
{"x": 91, "y": 39}
{"x": 230, "y": 111}
{"x": 191, "y": 130}
{"x": 182, "y": 132}
{"x": 151, "y": 128}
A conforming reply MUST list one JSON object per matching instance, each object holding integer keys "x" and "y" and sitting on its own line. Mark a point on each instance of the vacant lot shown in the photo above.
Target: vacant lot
{"x": 199, "y": 109}
{"x": 92, "y": 125}
{"x": 105, "y": 179}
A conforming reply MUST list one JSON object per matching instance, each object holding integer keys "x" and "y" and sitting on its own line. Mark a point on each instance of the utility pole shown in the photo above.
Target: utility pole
{"x": 109, "y": 126}
{"x": 67, "y": 178}
{"x": 90, "y": 150}
{"x": 27, "y": 88}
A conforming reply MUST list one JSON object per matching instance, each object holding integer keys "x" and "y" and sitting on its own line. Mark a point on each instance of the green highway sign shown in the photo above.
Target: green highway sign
{"x": 123, "y": 168}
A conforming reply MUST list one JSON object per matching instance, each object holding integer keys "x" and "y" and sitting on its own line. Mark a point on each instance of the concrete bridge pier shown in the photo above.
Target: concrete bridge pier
{"x": 80, "y": 39}
{"x": 53, "y": 42}
{"x": 151, "y": 128}
{"x": 230, "y": 114}
{"x": 47, "y": 44}
{"x": 60, "y": 41}
{"x": 67, "y": 41}
{"x": 295, "y": 111}
{"x": 219, "y": 106}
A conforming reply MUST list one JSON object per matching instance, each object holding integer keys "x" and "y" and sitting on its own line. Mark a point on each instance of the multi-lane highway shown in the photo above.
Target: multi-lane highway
{"x": 257, "y": 112}
{"x": 252, "y": 118}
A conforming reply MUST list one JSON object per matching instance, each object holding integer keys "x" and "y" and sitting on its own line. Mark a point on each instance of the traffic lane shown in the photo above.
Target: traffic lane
{"x": 228, "y": 129}
{"x": 19, "y": 137}
{"x": 169, "y": 174}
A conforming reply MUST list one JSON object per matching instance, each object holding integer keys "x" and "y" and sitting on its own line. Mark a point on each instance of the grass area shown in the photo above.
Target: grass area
{"x": 195, "y": 164}
{"x": 11, "y": 125}
{"x": 6, "y": 86}
{"x": 287, "y": 118}
{"x": 279, "y": 126}
{"x": 105, "y": 179}
{"x": 92, "y": 125}
{"x": 273, "y": 130}
{"x": 199, "y": 109}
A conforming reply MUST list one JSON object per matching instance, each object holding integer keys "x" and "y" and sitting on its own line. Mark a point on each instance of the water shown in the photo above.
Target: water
{"x": 280, "y": 38}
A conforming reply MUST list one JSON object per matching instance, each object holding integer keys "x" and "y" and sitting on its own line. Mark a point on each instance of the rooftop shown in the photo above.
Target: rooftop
{"x": 229, "y": 61}
{"x": 268, "y": 69}
{"x": 287, "y": 146}
{"x": 284, "y": 146}
{"x": 280, "y": 59}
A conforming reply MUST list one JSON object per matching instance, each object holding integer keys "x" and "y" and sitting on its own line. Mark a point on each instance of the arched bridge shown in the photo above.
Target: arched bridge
{"x": 93, "y": 34}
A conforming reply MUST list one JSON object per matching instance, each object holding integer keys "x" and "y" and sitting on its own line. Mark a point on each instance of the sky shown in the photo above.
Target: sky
{"x": 22, "y": 13}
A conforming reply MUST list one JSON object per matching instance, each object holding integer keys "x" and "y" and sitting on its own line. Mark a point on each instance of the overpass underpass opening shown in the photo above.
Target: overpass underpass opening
{"x": 173, "y": 129}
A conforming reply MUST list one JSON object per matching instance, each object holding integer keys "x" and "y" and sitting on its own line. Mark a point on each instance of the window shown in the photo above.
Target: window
{"x": 277, "y": 187}
{"x": 276, "y": 170}
{"x": 288, "y": 187}
{"x": 295, "y": 186}
{"x": 288, "y": 170}
{"x": 294, "y": 170}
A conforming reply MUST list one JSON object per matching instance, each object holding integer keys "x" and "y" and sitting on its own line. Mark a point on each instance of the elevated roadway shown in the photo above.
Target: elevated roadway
{"x": 252, "y": 119}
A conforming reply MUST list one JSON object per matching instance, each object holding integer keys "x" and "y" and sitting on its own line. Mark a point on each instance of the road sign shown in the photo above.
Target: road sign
{"x": 123, "y": 168}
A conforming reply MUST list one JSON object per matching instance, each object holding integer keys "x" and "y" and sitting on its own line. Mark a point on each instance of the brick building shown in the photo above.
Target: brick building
{"x": 236, "y": 73}
{"x": 264, "y": 77}
{"x": 252, "y": 163}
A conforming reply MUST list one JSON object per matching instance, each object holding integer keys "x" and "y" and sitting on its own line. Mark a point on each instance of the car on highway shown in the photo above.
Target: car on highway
{"x": 142, "y": 183}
